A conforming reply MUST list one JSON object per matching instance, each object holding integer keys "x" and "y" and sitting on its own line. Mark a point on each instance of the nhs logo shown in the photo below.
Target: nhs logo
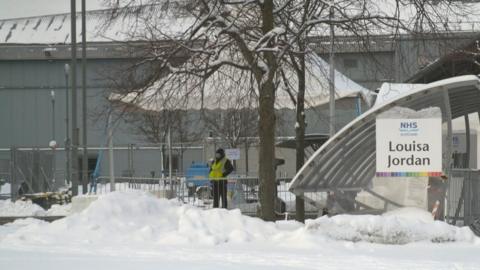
{"x": 409, "y": 128}
{"x": 408, "y": 125}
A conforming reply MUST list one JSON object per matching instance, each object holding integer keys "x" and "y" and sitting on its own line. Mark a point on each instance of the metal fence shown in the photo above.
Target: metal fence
{"x": 463, "y": 197}
{"x": 31, "y": 171}
{"x": 40, "y": 169}
{"x": 242, "y": 193}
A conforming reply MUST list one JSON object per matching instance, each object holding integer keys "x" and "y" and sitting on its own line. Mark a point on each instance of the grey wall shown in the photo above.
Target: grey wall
{"x": 392, "y": 60}
{"x": 26, "y": 108}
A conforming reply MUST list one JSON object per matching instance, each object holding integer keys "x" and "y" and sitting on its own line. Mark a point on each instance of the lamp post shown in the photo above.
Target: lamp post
{"x": 52, "y": 95}
{"x": 332, "y": 71}
{"x": 73, "y": 77}
{"x": 110, "y": 152}
{"x": 53, "y": 143}
{"x": 84, "y": 102}
{"x": 67, "y": 125}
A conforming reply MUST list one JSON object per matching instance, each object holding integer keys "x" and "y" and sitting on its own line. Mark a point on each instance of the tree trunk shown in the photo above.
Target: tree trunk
{"x": 266, "y": 131}
{"x": 300, "y": 131}
{"x": 266, "y": 128}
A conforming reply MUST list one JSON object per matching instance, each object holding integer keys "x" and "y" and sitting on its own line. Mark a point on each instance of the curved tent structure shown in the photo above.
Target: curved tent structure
{"x": 347, "y": 160}
{"x": 232, "y": 88}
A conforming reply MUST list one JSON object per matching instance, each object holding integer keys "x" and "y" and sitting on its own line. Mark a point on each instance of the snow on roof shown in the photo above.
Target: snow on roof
{"x": 390, "y": 91}
{"x": 232, "y": 88}
{"x": 55, "y": 29}
{"x": 435, "y": 15}
{"x": 359, "y": 157}
{"x": 226, "y": 88}
{"x": 29, "y": 8}
{"x": 317, "y": 84}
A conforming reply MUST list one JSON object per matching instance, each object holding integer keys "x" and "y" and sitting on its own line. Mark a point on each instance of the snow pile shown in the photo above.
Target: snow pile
{"x": 20, "y": 208}
{"x": 59, "y": 210}
{"x": 27, "y": 208}
{"x": 136, "y": 219}
{"x": 5, "y": 188}
{"x": 411, "y": 213}
{"x": 398, "y": 227}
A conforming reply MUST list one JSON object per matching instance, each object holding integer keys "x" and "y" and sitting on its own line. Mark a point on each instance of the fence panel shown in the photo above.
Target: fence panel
{"x": 31, "y": 172}
{"x": 463, "y": 196}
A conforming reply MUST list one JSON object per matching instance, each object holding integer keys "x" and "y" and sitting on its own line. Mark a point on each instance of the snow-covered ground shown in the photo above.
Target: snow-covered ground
{"x": 133, "y": 230}
{"x": 5, "y": 188}
{"x": 27, "y": 208}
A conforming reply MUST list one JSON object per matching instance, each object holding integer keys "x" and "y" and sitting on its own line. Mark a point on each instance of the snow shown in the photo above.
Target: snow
{"x": 20, "y": 208}
{"x": 28, "y": 8}
{"x": 59, "y": 210}
{"x": 317, "y": 81}
{"x": 136, "y": 217}
{"x": 443, "y": 16}
{"x": 215, "y": 92}
{"x": 400, "y": 227}
{"x": 411, "y": 213}
{"x": 402, "y": 112}
{"x": 27, "y": 208}
{"x": 125, "y": 230}
{"x": 55, "y": 29}
{"x": 5, "y": 188}
{"x": 29, "y": 23}
{"x": 390, "y": 91}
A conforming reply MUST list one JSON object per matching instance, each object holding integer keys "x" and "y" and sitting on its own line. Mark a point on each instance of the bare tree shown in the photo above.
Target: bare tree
{"x": 239, "y": 36}
{"x": 248, "y": 44}
{"x": 427, "y": 17}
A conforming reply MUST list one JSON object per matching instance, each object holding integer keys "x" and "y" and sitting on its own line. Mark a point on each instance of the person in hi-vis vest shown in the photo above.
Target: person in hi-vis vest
{"x": 220, "y": 168}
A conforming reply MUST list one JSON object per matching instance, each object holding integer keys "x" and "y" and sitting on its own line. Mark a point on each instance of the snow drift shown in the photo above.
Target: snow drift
{"x": 20, "y": 208}
{"x": 401, "y": 226}
{"x": 139, "y": 219}
{"x": 136, "y": 217}
{"x": 27, "y": 208}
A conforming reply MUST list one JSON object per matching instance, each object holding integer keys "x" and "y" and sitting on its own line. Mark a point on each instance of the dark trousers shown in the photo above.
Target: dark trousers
{"x": 219, "y": 190}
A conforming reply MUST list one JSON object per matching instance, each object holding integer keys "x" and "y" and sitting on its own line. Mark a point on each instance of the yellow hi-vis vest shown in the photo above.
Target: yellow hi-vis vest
{"x": 217, "y": 169}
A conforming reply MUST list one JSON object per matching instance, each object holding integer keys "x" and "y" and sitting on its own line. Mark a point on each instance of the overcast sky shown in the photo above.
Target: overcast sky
{"x": 28, "y": 8}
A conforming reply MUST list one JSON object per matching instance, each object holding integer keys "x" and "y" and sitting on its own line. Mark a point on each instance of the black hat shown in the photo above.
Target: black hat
{"x": 219, "y": 154}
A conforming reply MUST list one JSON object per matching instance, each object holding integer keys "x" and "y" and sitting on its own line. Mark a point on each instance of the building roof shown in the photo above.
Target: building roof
{"x": 461, "y": 61}
{"x": 28, "y": 8}
{"x": 347, "y": 160}
{"x": 165, "y": 15}
{"x": 55, "y": 29}
{"x": 310, "y": 140}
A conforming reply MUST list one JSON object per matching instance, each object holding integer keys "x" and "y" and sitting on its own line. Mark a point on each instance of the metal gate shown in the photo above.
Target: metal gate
{"x": 31, "y": 171}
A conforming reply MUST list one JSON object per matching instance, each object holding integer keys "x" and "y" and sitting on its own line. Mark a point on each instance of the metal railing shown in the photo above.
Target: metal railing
{"x": 242, "y": 193}
{"x": 463, "y": 196}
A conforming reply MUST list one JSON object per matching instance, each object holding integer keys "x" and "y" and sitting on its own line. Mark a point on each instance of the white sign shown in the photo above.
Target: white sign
{"x": 233, "y": 153}
{"x": 409, "y": 147}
